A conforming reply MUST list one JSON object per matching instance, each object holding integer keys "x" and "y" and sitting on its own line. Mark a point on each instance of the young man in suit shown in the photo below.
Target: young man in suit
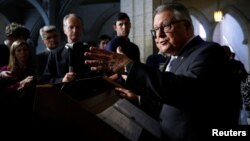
{"x": 191, "y": 96}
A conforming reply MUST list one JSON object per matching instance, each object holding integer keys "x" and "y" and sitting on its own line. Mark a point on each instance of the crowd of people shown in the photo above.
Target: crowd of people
{"x": 187, "y": 83}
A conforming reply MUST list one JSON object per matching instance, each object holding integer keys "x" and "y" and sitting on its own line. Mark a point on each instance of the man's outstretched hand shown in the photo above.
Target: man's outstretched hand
{"x": 103, "y": 60}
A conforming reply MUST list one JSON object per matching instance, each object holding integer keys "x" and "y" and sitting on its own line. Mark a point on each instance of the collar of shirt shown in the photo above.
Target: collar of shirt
{"x": 48, "y": 49}
{"x": 163, "y": 54}
{"x": 69, "y": 45}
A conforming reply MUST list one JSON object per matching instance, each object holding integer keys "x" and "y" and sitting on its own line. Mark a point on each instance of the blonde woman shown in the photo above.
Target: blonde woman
{"x": 18, "y": 80}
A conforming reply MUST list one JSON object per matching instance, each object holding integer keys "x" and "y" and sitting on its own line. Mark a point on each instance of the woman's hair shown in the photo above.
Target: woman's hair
{"x": 14, "y": 66}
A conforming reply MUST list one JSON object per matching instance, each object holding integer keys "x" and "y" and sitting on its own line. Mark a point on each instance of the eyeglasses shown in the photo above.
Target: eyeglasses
{"x": 166, "y": 27}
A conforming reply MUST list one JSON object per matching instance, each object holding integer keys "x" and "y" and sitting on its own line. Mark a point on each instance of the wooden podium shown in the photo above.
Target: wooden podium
{"x": 98, "y": 115}
{"x": 53, "y": 106}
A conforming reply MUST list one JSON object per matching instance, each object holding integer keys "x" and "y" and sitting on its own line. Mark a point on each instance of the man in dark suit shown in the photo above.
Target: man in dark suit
{"x": 50, "y": 37}
{"x": 196, "y": 95}
{"x": 66, "y": 63}
{"x": 157, "y": 60}
{"x": 4, "y": 55}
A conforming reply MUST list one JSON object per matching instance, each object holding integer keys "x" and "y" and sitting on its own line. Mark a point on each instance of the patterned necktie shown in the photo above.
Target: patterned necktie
{"x": 171, "y": 63}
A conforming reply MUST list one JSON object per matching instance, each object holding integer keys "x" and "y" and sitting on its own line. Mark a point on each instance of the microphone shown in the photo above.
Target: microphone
{"x": 69, "y": 46}
{"x": 76, "y": 57}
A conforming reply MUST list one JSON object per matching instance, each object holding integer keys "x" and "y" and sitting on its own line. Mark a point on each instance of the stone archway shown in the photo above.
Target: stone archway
{"x": 203, "y": 21}
{"x": 233, "y": 32}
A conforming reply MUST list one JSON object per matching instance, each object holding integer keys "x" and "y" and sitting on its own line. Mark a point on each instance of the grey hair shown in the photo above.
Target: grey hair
{"x": 179, "y": 10}
{"x": 46, "y": 28}
{"x": 71, "y": 15}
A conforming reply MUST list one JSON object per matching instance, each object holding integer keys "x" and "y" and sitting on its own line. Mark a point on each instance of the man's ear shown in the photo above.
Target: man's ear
{"x": 114, "y": 27}
{"x": 64, "y": 30}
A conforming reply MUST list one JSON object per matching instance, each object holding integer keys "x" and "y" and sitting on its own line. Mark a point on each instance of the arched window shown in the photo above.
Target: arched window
{"x": 229, "y": 32}
{"x": 198, "y": 28}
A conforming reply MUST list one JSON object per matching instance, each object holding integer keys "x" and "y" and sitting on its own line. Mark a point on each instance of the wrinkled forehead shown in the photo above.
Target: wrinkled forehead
{"x": 73, "y": 21}
{"x": 163, "y": 17}
{"x": 50, "y": 33}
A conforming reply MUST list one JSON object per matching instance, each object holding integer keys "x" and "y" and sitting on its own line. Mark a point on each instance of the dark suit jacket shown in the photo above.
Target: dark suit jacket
{"x": 58, "y": 64}
{"x": 156, "y": 60}
{"x": 128, "y": 48}
{"x": 4, "y": 55}
{"x": 42, "y": 59}
{"x": 193, "y": 94}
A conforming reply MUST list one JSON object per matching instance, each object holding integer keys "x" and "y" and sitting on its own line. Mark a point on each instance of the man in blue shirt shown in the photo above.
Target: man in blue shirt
{"x": 121, "y": 43}
{"x": 122, "y": 27}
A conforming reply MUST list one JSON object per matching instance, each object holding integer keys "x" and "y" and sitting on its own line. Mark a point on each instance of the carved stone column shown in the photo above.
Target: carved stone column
{"x": 141, "y": 16}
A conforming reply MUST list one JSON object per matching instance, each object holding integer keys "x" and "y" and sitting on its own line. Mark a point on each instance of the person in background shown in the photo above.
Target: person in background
{"x": 13, "y": 31}
{"x": 195, "y": 93}
{"x": 50, "y": 37}
{"x": 236, "y": 65}
{"x": 66, "y": 63}
{"x": 18, "y": 87}
{"x": 121, "y": 43}
{"x": 103, "y": 41}
{"x": 241, "y": 76}
{"x": 245, "y": 92}
{"x": 4, "y": 55}
{"x": 122, "y": 27}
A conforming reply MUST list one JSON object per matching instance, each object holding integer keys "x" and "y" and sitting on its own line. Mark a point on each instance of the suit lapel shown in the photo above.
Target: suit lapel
{"x": 177, "y": 63}
{"x": 64, "y": 53}
{"x": 166, "y": 63}
{"x": 46, "y": 54}
{"x": 189, "y": 48}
